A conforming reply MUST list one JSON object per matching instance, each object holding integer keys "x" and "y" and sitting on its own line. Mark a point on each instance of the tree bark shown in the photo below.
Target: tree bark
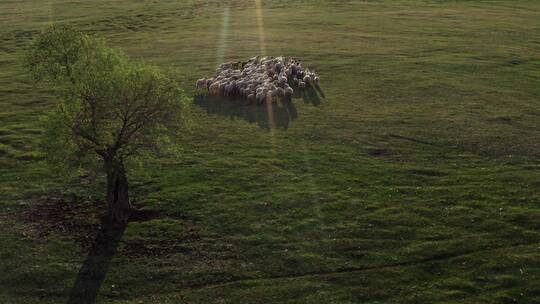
{"x": 118, "y": 203}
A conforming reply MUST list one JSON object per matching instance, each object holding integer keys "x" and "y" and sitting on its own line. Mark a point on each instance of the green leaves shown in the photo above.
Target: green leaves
{"x": 108, "y": 105}
{"x": 54, "y": 53}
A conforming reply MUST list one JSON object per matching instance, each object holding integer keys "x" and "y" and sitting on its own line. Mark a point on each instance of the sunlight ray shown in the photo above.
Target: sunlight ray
{"x": 270, "y": 109}
{"x": 260, "y": 26}
{"x": 262, "y": 46}
{"x": 223, "y": 36}
{"x": 50, "y": 12}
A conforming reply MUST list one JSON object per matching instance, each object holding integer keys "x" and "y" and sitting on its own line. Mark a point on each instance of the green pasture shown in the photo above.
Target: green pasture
{"x": 413, "y": 177}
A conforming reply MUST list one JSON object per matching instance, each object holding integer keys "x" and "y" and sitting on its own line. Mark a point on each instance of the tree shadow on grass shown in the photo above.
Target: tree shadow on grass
{"x": 267, "y": 116}
{"x": 98, "y": 260}
{"x": 96, "y": 265}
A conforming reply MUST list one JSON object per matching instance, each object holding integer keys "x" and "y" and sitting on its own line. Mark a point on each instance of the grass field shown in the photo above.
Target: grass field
{"x": 414, "y": 179}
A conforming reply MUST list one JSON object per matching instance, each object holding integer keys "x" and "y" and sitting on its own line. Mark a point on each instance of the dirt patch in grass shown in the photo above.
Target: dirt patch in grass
{"x": 85, "y": 221}
{"x": 379, "y": 152}
{"x": 428, "y": 172}
{"x": 70, "y": 216}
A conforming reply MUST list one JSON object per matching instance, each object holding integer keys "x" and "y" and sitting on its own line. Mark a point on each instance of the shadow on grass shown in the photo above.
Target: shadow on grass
{"x": 267, "y": 116}
{"x": 96, "y": 265}
{"x": 282, "y": 113}
{"x": 103, "y": 249}
{"x": 311, "y": 94}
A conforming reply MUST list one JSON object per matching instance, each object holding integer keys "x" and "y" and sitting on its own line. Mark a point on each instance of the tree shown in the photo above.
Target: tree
{"x": 109, "y": 108}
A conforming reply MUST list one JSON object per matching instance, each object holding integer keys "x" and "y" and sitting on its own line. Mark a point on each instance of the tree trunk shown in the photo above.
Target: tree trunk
{"x": 118, "y": 203}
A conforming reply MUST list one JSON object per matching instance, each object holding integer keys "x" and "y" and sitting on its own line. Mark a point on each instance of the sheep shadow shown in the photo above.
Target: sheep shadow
{"x": 277, "y": 115}
{"x": 96, "y": 265}
{"x": 267, "y": 116}
{"x": 310, "y": 95}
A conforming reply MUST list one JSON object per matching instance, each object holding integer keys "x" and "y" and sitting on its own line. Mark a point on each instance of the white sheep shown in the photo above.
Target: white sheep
{"x": 259, "y": 79}
{"x": 251, "y": 97}
{"x": 293, "y": 69}
{"x": 288, "y": 92}
{"x": 282, "y": 79}
{"x": 280, "y": 92}
{"x": 260, "y": 97}
{"x": 201, "y": 83}
{"x": 278, "y": 67}
{"x": 214, "y": 88}
{"x": 225, "y": 66}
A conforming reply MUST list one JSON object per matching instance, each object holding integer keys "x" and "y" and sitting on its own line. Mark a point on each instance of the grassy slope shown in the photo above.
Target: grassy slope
{"x": 415, "y": 181}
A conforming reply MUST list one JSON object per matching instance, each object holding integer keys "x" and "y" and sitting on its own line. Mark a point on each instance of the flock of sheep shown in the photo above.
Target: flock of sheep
{"x": 260, "y": 80}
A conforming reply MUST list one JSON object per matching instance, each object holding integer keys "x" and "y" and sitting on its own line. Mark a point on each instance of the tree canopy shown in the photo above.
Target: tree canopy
{"x": 108, "y": 107}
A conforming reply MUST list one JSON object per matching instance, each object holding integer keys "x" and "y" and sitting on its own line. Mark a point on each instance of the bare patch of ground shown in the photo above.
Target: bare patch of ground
{"x": 84, "y": 220}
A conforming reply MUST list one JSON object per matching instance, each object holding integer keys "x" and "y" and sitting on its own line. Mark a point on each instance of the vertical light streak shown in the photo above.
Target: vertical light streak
{"x": 50, "y": 12}
{"x": 223, "y": 36}
{"x": 262, "y": 45}
{"x": 260, "y": 26}
{"x": 271, "y": 122}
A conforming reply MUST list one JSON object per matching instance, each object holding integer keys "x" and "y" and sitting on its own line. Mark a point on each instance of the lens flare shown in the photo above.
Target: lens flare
{"x": 262, "y": 45}
{"x": 260, "y": 26}
{"x": 223, "y": 36}
{"x": 50, "y": 12}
